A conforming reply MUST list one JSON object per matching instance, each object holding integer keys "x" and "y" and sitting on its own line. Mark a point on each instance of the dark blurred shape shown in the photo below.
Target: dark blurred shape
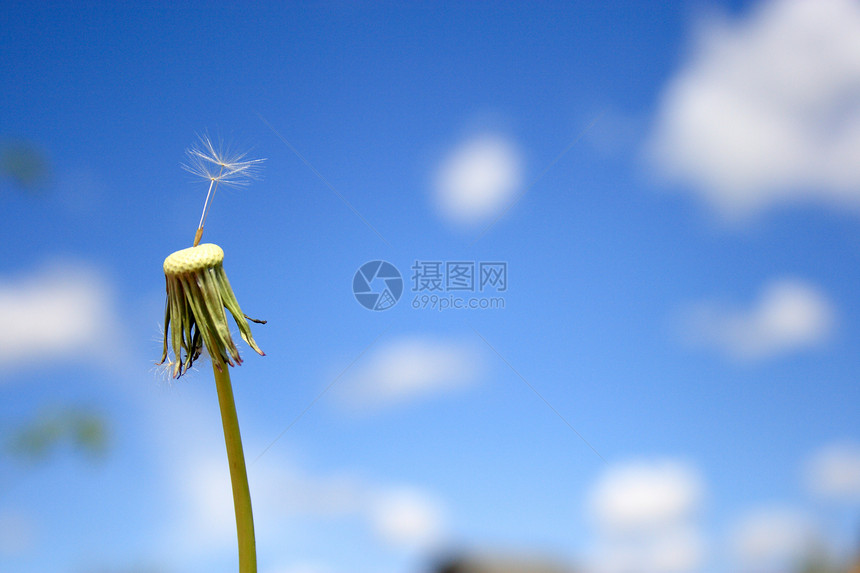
{"x": 818, "y": 559}
{"x": 500, "y": 563}
{"x": 84, "y": 430}
{"x": 819, "y": 563}
{"x": 24, "y": 164}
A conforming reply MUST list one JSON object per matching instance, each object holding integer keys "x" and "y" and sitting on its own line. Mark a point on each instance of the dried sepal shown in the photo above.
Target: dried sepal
{"x": 197, "y": 294}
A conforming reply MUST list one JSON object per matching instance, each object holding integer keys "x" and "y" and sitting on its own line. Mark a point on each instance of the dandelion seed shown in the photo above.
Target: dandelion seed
{"x": 218, "y": 166}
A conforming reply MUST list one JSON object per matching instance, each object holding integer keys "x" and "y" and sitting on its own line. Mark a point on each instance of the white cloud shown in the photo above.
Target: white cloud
{"x": 17, "y": 533}
{"x": 673, "y": 550}
{"x": 768, "y": 538}
{"x": 197, "y": 471}
{"x": 401, "y": 516}
{"x": 411, "y": 368}
{"x": 302, "y": 567}
{"x": 285, "y": 495}
{"x": 647, "y": 514}
{"x": 209, "y": 518}
{"x": 646, "y": 495}
{"x": 408, "y": 517}
{"x": 62, "y": 311}
{"x": 681, "y": 549}
{"x": 289, "y": 490}
{"x": 834, "y": 472}
{"x": 767, "y": 109}
{"x": 478, "y": 179}
{"x": 789, "y": 315}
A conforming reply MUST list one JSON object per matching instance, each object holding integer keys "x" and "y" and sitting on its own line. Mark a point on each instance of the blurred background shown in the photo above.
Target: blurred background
{"x": 666, "y": 383}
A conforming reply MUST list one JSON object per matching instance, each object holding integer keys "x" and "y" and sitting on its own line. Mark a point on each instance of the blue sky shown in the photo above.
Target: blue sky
{"x": 674, "y": 191}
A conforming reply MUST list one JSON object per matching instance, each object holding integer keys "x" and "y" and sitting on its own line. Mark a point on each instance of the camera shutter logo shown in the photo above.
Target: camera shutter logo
{"x": 377, "y": 285}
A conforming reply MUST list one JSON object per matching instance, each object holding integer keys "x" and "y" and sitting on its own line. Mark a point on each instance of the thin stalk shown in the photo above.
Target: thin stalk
{"x": 238, "y": 474}
{"x": 212, "y": 183}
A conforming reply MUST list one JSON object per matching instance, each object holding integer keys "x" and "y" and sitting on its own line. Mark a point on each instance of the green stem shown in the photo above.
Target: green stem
{"x": 238, "y": 474}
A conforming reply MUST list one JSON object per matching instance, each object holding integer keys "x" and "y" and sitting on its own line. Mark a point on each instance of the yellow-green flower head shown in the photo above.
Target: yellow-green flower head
{"x": 197, "y": 294}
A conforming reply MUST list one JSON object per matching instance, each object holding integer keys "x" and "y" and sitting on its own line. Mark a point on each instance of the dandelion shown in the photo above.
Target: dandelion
{"x": 198, "y": 293}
